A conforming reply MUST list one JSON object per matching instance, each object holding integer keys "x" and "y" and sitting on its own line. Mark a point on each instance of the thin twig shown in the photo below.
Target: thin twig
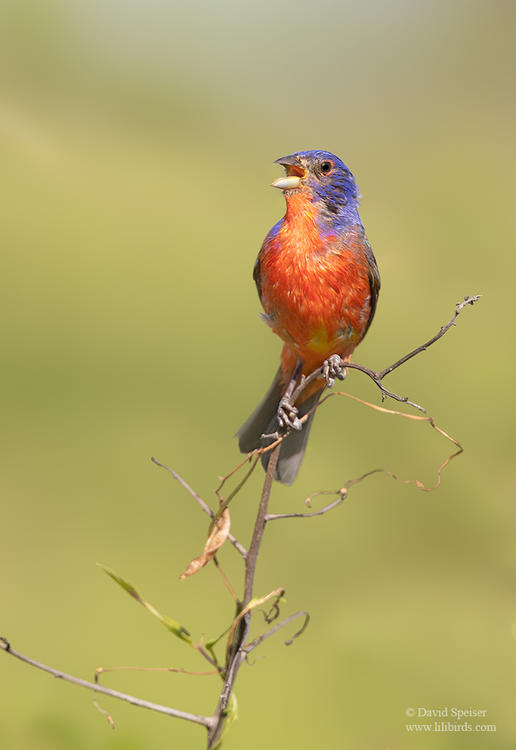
{"x": 205, "y": 721}
{"x": 224, "y": 502}
{"x": 343, "y": 491}
{"x": 261, "y": 638}
{"x": 198, "y": 647}
{"x": 198, "y": 499}
{"x": 225, "y": 478}
{"x": 105, "y": 713}
{"x": 227, "y": 582}
{"x": 202, "y": 504}
{"x": 460, "y": 306}
{"x": 175, "y": 670}
{"x": 321, "y": 512}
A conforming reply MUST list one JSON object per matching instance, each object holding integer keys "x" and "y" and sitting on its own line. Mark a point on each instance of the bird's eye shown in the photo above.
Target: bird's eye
{"x": 326, "y": 167}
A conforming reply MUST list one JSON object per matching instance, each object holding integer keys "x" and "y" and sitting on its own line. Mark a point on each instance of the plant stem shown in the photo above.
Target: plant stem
{"x": 238, "y": 654}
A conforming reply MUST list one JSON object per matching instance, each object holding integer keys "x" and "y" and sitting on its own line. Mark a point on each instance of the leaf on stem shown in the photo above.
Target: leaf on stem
{"x": 214, "y": 542}
{"x": 174, "y": 627}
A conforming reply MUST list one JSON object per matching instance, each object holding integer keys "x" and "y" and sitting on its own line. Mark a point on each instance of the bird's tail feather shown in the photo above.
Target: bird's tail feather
{"x": 264, "y": 421}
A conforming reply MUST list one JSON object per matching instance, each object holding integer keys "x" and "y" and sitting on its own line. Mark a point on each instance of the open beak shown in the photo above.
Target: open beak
{"x": 294, "y": 173}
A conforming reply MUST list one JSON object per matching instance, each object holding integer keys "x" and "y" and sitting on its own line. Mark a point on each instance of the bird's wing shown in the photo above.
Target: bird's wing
{"x": 257, "y": 276}
{"x": 374, "y": 280}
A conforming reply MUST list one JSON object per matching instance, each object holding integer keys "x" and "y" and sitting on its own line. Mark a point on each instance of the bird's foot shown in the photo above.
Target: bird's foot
{"x": 333, "y": 367}
{"x": 287, "y": 414}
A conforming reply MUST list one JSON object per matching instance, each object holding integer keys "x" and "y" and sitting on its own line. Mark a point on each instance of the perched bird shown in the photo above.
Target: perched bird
{"x": 318, "y": 283}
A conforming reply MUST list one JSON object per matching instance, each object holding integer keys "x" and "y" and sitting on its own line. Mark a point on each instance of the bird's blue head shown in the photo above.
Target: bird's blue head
{"x": 326, "y": 180}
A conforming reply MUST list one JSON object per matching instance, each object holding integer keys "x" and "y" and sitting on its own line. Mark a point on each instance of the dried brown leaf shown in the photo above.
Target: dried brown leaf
{"x": 214, "y": 542}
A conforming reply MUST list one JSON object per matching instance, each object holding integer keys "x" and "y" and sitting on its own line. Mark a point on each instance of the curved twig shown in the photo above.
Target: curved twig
{"x": 261, "y": 638}
{"x": 320, "y": 512}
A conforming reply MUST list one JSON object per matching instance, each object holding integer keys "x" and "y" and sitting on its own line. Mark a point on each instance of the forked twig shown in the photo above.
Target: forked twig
{"x": 206, "y": 721}
{"x": 261, "y": 638}
{"x": 202, "y": 504}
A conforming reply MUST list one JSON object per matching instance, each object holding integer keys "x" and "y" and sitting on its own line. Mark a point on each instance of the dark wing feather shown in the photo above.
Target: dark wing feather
{"x": 257, "y": 276}
{"x": 374, "y": 281}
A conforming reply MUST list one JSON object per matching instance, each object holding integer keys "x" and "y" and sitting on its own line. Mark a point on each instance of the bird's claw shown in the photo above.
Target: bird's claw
{"x": 287, "y": 414}
{"x": 333, "y": 367}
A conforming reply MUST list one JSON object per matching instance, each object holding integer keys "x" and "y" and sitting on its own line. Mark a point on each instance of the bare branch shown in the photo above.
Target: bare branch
{"x": 202, "y": 504}
{"x": 460, "y": 306}
{"x": 321, "y": 512}
{"x": 205, "y": 721}
{"x": 261, "y": 638}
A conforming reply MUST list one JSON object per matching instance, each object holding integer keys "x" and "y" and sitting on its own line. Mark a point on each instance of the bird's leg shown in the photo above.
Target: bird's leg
{"x": 333, "y": 367}
{"x": 287, "y": 412}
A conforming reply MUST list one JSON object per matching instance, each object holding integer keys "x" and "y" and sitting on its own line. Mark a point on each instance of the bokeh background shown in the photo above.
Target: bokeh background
{"x": 137, "y": 141}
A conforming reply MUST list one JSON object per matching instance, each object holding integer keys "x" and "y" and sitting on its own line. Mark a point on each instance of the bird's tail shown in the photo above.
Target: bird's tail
{"x": 264, "y": 420}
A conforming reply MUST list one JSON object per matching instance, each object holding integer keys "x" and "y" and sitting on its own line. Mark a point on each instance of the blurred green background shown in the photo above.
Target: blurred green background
{"x": 137, "y": 141}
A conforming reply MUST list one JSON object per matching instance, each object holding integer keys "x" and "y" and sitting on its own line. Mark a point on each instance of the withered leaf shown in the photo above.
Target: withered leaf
{"x": 214, "y": 542}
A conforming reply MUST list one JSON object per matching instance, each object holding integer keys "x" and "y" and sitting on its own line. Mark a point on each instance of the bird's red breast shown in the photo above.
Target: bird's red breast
{"x": 315, "y": 286}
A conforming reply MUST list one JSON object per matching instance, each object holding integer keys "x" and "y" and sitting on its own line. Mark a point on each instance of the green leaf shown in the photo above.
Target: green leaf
{"x": 171, "y": 625}
{"x": 124, "y": 584}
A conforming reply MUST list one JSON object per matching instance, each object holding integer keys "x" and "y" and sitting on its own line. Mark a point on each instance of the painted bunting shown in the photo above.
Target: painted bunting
{"x": 318, "y": 283}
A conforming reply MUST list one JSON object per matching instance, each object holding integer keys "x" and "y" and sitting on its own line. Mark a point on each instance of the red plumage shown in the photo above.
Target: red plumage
{"x": 315, "y": 289}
